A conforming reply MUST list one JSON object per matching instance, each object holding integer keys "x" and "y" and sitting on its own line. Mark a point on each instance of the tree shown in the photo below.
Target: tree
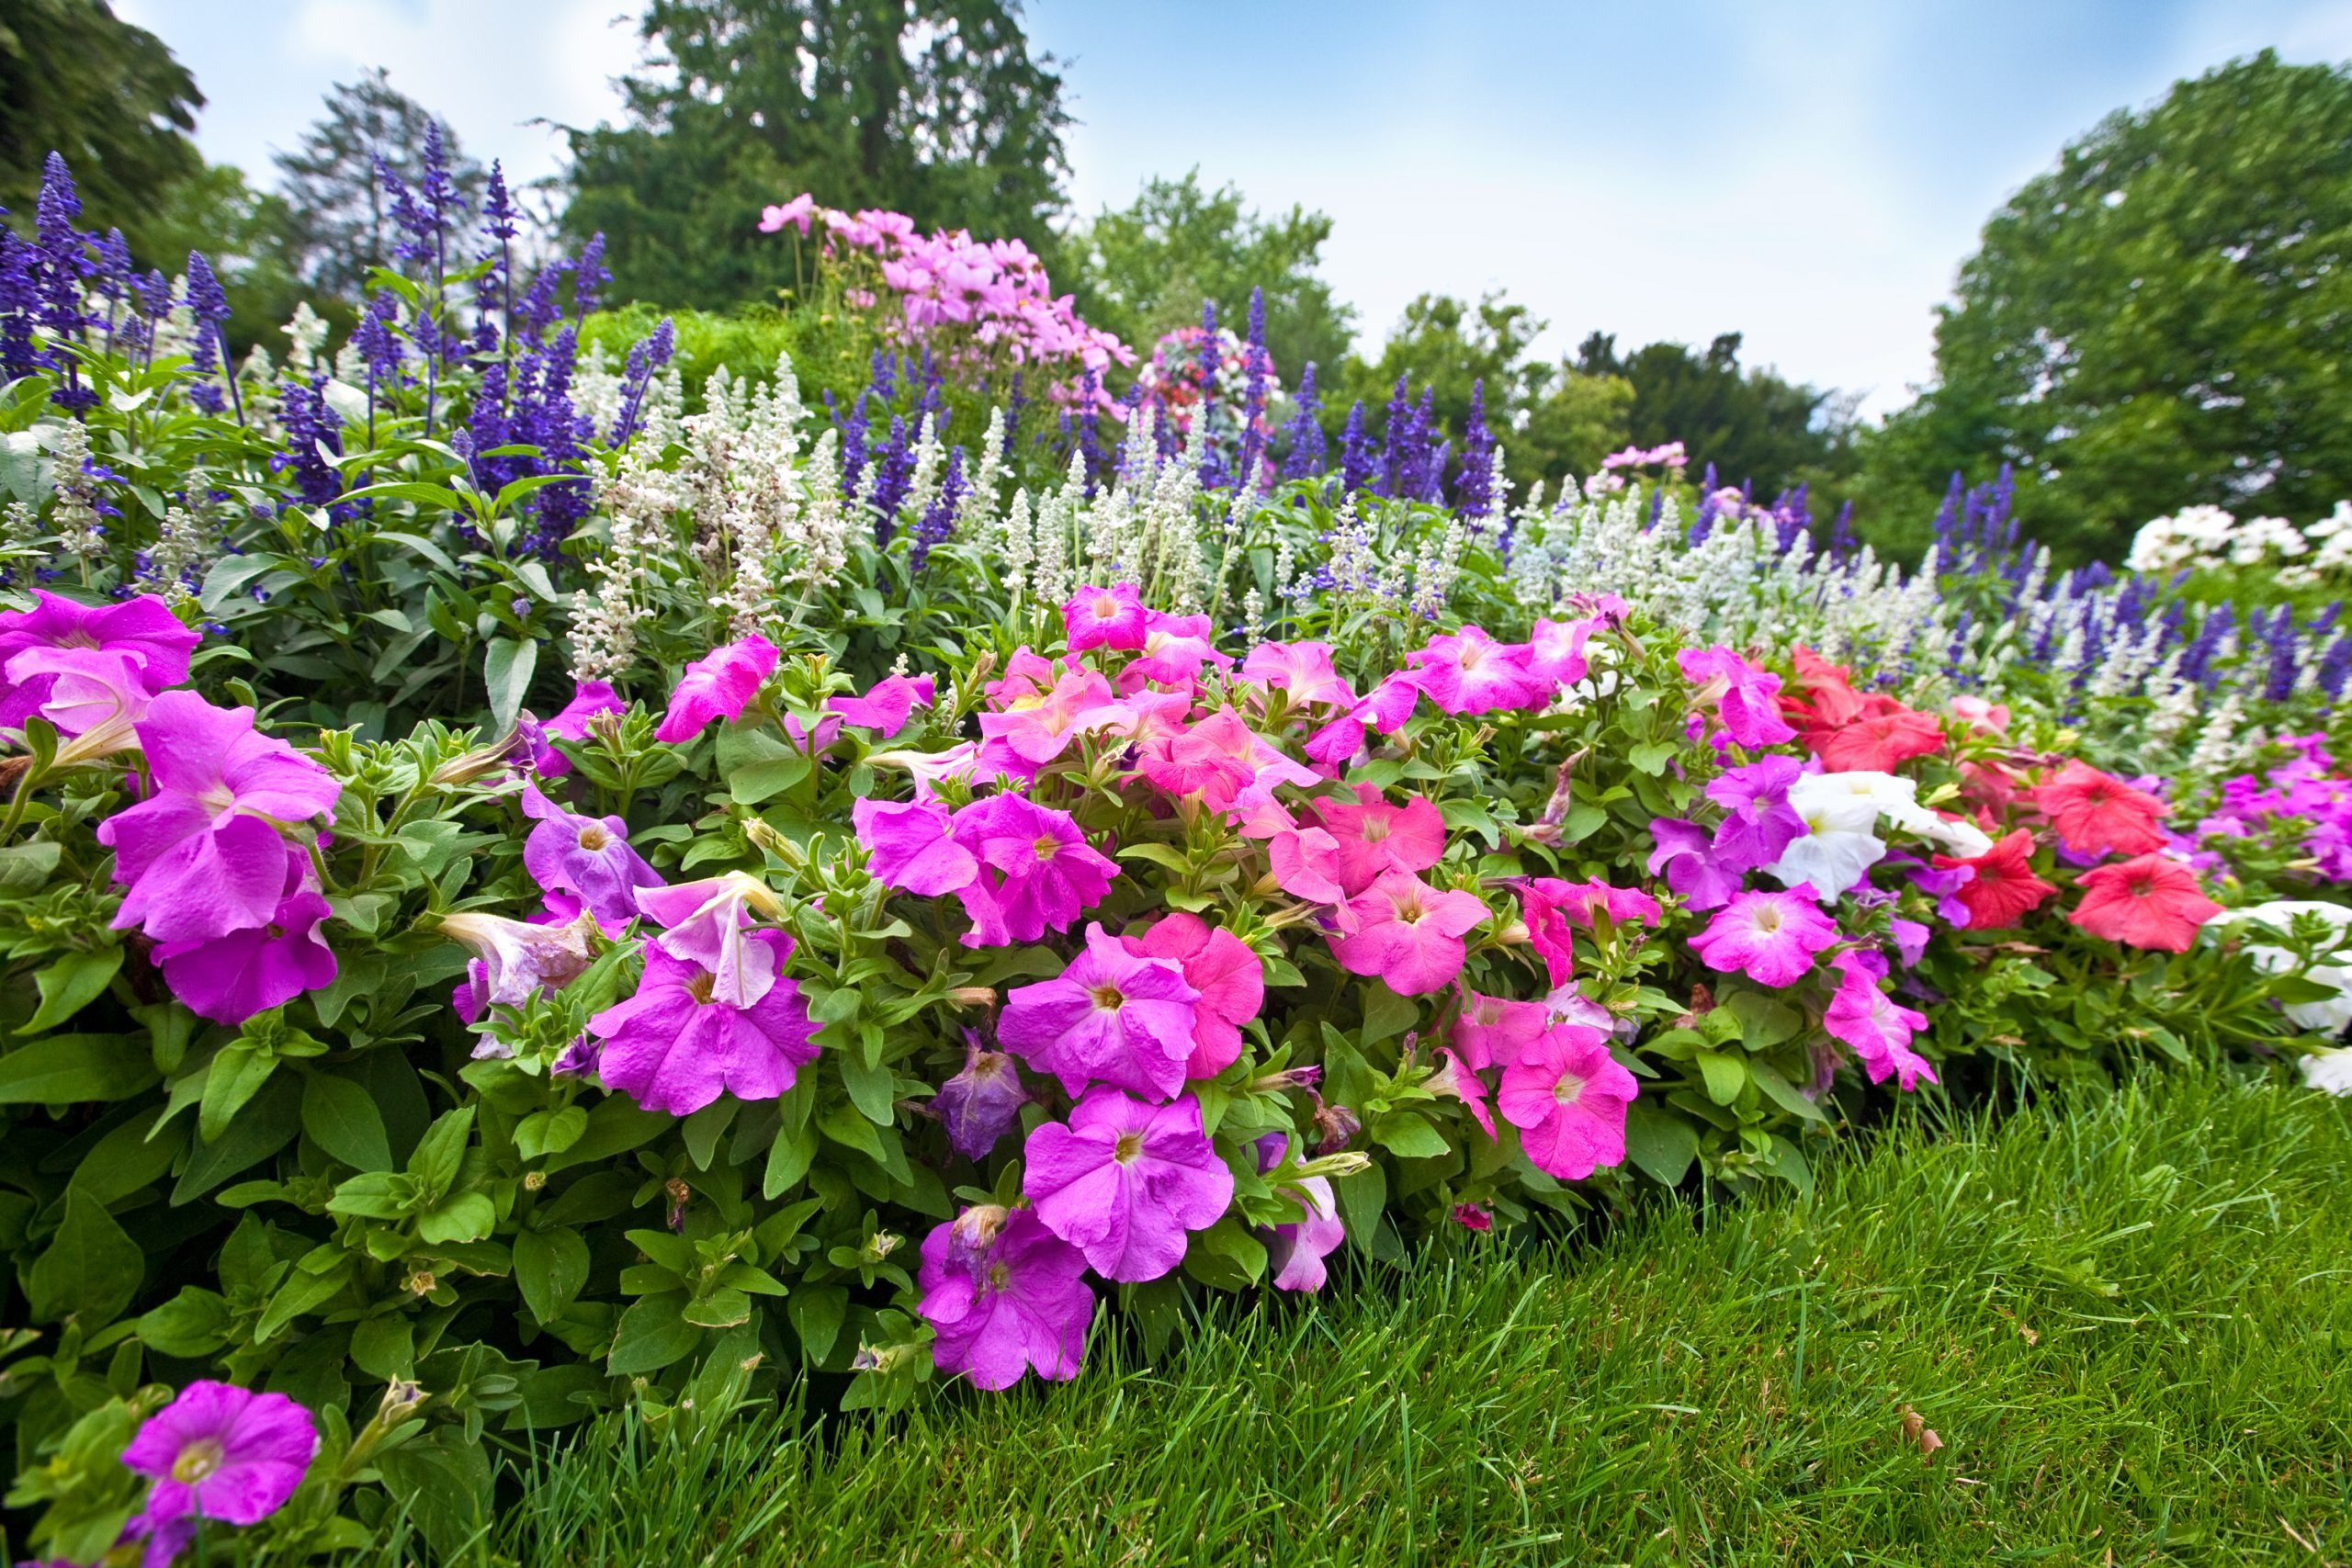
{"x": 2160, "y": 321}
{"x": 250, "y": 240}
{"x": 76, "y": 79}
{"x": 1147, "y": 268}
{"x": 343, "y": 222}
{"x": 929, "y": 107}
{"x": 1750, "y": 424}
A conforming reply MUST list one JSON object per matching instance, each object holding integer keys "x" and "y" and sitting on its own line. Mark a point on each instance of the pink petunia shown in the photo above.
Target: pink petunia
{"x": 1215, "y": 759}
{"x": 589, "y": 699}
{"x": 1408, "y": 933}
{"x": 1492, "y": 1031}
{"x": 1004, "y": 1296}
{"x": 1556, "y": 653}
{"x": 886, "y": 707}
{"x": 1220, "y": 967}
{"x": 94, "y": 696}
{"x": 1454, "y": 1077}
{"x": 673, "y": 1048}
{"x": 1877, "y": 1026}
{"x": 1104, "y": 617}
{"x": 1305, "y": 864}
{"x": 1295, "y": 1251}
{"x": 1375, "y": 838}
{"x": 911, "y": 846}
{"x": 1039, "y": 873}
{"x": 1175, "y": 649}
{"x": 1302, "y": 669}
{"x": 1470, "y": 672}
{"x": 1127, "y": 1182}
{"x": 1038, "y": 729}
{"x": 1568, "y": 1097}
{"x": 202, "y": 855}
{"x": 1112, "y": 1017}
{"x": 707, "y": 924}
{"x": 1769, "y": 937}
{"x": 143, "y": 629}
{"x": 720, "y": 684}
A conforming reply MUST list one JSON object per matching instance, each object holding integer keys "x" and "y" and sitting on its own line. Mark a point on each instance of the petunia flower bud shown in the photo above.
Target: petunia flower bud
{"x": 979, "y": 1103}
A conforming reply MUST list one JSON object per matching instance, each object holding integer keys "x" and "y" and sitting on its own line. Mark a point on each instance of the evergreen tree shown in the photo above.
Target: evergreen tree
{"x": 343, "y": 222}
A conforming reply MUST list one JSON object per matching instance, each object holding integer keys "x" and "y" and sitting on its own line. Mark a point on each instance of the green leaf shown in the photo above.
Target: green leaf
{"x": 442, "y": 1481}
{"x": 653, "y": 1333}
{"x": 468, "y": 1216}
{"x": 439, "y": 1152}
{"x": 1783, "y": 1093}
{"x": 1362, "y": 1197}
{"x": 817, "y": 1313}
{"x": 231, "y": 1078}
{"x": 195, "y": 1323}
{"x": 1725, "y": 1075}
{"x": 1406, "y": 1135}
{"x": 702, "y": 1130}
{"x": 1385, "y": 1014}
{"x": 1764, "y": 1022}
{"x": 1652, "y": 756}
{"x": 24, "y": 868}
{"x": 259, "y": 1131}
{"x": 75, "y": 1069}
{"x": 341, "y": 1117}
{"x": 507, "y": 665}
{"x": 70, "y": 984}
{"x": 1660, "y": 1143}
{"x": 384, "y": 1345}
{"x": 91, "y": 1271}
{"x": 870, "y": 1089}
{"x": 302, "y": 1293}
{"x": 1225, "y": 1256}
{"x": 549, "y": 1268}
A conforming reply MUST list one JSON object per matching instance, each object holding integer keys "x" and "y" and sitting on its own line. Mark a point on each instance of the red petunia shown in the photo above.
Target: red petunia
{"x": 1821, "y": 695}
{"x": 2003, "y": 889}
{"x": 1885, "y": 735}
{"x": 2094, "y": 812}
{"x": 2148, "y": 902}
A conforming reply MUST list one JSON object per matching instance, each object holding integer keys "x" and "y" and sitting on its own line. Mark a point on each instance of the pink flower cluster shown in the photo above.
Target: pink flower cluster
{"x": 211, "y": 861}
{"x": 995, "y": 290}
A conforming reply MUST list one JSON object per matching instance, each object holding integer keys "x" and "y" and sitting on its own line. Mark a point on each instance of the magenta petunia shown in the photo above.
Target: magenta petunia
{"x": 1305, "y": 864}
{"x": 1769, "y": 937}
{"x": 95, "y": 696}
{"x": 1216, "y": 759}
{"x": 1127, "y": 1182}
{"x": 1758, "y": 822}
{"x": 143, "y": 629}
{"x": 1556, "y": 653}
{"x": 1039, "y": 873}
{"x": 1175, "y": 649}
{"x": 1038, "y": 728}
{"x": 1004, "y": 1296}
{"x": 202, "y": 855}
{"x": 1375, "y": 838}
{"x": 1492, "y": 1031}
{"x": 1220, "y": 967}
{"x": 911, "y": 846}
{"x": 587, "y": 855}
{"x": 1296, "y": 1250}
{"x": 673, "y": 1047}
{"x": 1112, "y": 1017}
{"x": 589, "y": 698}
{"x": 1567, "y": 1096}
{"x": 1104, "y": 617}
{"x": 229, "y": 978}
{"x": 1878, "y": 1027}
{"x": 1454, "y": 1077}
{"x": 717, "y": 685}
{"x": 1743, "y": 696}
{"x": 886, "y": 707}
{"x": 1470, "y": 672}
{"x": 218, "y": 1452}
{"x": 1409, "y": 933}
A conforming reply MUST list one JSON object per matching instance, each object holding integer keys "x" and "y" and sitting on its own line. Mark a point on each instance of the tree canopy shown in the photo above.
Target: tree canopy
{"x": 931, "y": 108}
{"x": 343, "y": 221}
{"x": 2160, "y": 321}
{"x": 76, "y": 79}
{"x": 1748, "y": 422}
{"x": 1146, "y": 268}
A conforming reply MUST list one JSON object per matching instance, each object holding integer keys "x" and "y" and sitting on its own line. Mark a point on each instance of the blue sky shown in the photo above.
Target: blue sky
{"x": 1811, "y": 174}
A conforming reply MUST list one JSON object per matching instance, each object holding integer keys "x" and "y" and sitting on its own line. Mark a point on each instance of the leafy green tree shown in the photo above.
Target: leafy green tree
{"x": 343, "y": 222}
{"x": 76, "y": 79}
{"x": 1749, "y": 423}
{"x": 252, "y": 239}
{"x": 931, "y": 108}
{"x": 1147, "y": 268}
{"x": 2160, "y": 321}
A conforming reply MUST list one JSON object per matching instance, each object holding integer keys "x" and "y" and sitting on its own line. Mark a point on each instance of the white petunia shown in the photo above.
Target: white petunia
{"x": 1838, "y": 850}
{"x": 2330, "y": 1072}
{"x": 2326, "y": 1017}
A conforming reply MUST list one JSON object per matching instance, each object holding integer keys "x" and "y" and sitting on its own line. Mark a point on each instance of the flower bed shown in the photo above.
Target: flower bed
{"x": 955, "y": 893}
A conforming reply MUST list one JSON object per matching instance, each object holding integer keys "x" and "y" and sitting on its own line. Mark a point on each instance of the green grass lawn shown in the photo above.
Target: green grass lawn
{"x": 2131, "y": 1325}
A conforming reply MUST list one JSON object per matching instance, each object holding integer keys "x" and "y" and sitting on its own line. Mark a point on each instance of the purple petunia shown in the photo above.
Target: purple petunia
{"x": 217, "y": 1452}
{"x": 978, "y": 1105}
{"x": 587, "y": 855}
{"x": 1004, "y": 1296}
{"x": 1127, "y": 1182}
{"x": 1758, "y": 822}
{"x": 1040, "y": 874}
{"x": 1111, "y": 1016}
{"x": 229, "y": 978}
{"x": 720, "y": 684}
{"x": 144, "y": 629}
{"x": 911, "y": 846}
{"x": 674, "y": 1047}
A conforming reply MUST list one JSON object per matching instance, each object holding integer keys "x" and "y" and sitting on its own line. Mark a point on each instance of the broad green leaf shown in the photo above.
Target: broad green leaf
{"x": 508, "y": 664}
{"x": 1659, "y": 1143}
{"x": 549, "y": 1267}
{"x": 73, "y": 1069}
{"x": 341, "y": 1117}
{"x": 1725, "y": 1076}
{"x": 652, "y": 1335}
{"x": 69, "y": 985}
{"x": 91, "y": 1270}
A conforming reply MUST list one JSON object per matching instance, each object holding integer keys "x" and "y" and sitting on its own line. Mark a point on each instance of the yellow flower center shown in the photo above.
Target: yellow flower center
{"x": 197, "y": 1461}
